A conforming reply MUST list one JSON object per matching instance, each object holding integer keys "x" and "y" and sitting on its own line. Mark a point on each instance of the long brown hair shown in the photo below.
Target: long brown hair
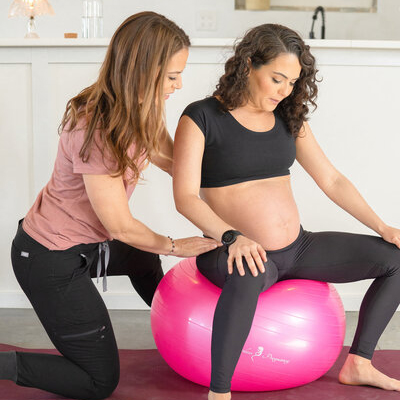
{"x": 261, "y": 45}
{"x": 126, "y": 103}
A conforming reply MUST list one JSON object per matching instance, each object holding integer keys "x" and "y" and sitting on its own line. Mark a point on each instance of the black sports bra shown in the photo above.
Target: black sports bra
{"x": 235, "y": 154}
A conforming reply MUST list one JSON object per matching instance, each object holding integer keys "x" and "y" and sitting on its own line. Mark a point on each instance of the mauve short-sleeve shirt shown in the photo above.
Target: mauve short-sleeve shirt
{"x": 62, "y": 215}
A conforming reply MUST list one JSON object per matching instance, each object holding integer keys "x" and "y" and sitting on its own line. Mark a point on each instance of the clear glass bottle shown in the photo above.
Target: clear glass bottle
{"x": 92, "y": 18}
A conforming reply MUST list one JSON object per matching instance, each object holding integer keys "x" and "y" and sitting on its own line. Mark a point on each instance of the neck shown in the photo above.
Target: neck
{"x": 253, "y": 108}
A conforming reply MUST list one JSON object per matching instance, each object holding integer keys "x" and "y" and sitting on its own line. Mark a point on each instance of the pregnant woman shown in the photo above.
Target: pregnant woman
{"x": 231, "y": 174}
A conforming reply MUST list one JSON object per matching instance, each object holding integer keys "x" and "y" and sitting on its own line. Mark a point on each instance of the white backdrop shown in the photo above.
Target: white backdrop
{"x": 356, "y": 124}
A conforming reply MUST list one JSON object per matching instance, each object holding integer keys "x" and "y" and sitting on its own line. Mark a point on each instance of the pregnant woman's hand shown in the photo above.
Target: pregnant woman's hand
{"x": 392, "y": 235}
{"x": 252, "y": 252}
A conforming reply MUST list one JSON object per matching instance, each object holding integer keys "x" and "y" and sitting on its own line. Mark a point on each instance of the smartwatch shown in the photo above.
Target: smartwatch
{"x": 229, "y": 237}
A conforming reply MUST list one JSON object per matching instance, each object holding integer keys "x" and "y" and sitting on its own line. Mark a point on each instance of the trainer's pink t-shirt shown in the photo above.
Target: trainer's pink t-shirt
{"x": 62, "y": 215}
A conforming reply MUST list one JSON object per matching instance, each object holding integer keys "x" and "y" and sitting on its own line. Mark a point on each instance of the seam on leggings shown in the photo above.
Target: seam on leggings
{"x": 289, "y": 246}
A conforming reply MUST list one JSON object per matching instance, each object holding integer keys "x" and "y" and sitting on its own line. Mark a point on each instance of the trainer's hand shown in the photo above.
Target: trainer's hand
{"x": 193, "y": 246}
{"x": 392, "y": 235}
{"x": 253, "y": 253}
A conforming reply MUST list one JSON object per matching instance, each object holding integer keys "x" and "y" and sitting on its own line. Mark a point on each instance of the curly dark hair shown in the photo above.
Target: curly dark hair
{"x": 261, "y": 45}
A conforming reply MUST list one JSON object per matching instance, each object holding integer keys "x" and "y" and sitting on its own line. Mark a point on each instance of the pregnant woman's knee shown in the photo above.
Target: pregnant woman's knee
{"x": 214, "y": 266}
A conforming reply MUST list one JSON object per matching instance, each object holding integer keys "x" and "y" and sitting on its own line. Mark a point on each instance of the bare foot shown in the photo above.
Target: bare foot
{"x": 359, "y": 371}
{"x": 219, "y": 396}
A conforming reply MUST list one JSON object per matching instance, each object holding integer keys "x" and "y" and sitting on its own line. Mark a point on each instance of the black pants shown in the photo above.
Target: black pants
{"x": 324, "y": 256}
{"x": 59, "y": 287}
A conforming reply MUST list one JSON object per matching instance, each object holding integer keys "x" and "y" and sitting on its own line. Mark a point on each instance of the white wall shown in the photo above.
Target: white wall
{"x": 356, "y": 124}
{"x": 230, "y": 23}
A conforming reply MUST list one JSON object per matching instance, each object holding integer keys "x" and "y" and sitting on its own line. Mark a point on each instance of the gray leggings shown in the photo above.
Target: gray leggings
{"x": 323, "y": 256}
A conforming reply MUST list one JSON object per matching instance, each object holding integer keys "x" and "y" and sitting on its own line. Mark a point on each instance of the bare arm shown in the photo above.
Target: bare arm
{"x": 108, "y": 198}
{"x": 346, "y": 196}
{"x": 165, "y": 163}
{"x": 188, "y": 154}
{"x": 334, "y": 184}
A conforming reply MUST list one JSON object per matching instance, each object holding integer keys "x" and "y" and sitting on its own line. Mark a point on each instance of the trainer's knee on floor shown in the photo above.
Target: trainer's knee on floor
{"x": 104, "y": 389}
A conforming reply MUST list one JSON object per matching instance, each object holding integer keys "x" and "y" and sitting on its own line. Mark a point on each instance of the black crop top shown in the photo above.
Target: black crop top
{"x": 234, "y": 154}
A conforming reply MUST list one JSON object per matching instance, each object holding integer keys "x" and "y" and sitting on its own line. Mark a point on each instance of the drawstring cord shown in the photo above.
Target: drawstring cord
{"x": 103, "y": 247}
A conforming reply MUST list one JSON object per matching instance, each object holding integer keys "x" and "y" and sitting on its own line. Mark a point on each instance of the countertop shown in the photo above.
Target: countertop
{"x": 199, "y": 42}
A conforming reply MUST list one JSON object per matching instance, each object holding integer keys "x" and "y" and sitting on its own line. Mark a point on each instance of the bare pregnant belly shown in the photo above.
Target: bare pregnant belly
{"x": 263, "y": 210}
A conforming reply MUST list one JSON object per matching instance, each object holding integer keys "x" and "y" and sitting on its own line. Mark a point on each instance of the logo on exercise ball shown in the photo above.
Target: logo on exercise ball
{"x": 260, "y": 353}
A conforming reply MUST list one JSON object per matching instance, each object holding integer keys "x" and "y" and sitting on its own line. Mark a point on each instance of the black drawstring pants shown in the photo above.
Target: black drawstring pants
{"x": 60, "y": 289}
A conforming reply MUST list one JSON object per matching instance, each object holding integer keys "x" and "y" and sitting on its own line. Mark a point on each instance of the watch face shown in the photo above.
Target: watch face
{"x": 228, "y": 236}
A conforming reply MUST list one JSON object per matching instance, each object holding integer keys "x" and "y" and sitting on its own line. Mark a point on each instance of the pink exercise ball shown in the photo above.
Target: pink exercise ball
{"x": 296, "y": 336}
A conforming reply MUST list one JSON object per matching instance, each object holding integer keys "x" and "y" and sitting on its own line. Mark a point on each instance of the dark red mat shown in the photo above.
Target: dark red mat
{"x": 145, "y": 376}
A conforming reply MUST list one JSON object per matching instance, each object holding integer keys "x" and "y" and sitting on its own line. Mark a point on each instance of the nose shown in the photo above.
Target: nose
{"x": 285, "y": 90}
{"x": 178, "y": 83}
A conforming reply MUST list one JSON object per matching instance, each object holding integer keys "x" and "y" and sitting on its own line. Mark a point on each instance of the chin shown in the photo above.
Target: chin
{"x": 269, "y": 107}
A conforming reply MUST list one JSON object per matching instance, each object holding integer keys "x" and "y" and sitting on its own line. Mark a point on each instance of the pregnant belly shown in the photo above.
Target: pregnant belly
{"x": 263, "y": 210}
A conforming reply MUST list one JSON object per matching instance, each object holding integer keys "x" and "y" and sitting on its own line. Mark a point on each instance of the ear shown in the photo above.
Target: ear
{"x": 250, "y": 65}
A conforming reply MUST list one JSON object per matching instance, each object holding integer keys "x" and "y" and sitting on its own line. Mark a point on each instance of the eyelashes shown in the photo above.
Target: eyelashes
{"x": 277, "y": 82}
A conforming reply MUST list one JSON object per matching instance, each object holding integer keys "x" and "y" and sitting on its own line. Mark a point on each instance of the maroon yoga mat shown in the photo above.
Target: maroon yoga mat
{"x": 146, "y": 376}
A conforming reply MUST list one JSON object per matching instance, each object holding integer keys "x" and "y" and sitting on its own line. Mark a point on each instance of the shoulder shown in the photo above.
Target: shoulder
{"x": 72, "y": 138}
{"x": 77, "y": 135}
{"x": 204, "y": 112}
{"x": 96, "y": 158}
{"x": 208, "y": 105}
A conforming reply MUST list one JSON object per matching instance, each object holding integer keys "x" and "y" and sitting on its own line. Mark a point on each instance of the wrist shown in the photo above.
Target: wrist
{"x": 381, "y": 228}
{"x": 172, "y": 246}
{"x": 165, "y": 245}
{"x": 229, "y": 237}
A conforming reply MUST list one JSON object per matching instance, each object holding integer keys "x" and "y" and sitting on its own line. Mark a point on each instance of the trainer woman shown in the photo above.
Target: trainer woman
{"x": 236, "y": 148}
{"x": 109, "y": 131}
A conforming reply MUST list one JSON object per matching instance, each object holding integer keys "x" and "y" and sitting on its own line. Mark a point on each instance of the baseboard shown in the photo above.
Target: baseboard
{"x": 352, "y": 302}
{"x": 114, "y": 301}
{"x": 131, "y": 301}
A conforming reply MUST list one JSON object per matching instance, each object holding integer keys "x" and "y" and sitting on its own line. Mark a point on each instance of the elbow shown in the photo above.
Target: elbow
{"x": 182, "y": 203}
{"x": 180, "y": 206}
{"x": 122, "y": 227}
{"x": 120, "y": 233}
{"x": 332, "y": 183}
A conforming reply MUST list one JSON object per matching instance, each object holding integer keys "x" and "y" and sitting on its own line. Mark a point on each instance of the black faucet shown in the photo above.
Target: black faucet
{"x": 316, "y": 11}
